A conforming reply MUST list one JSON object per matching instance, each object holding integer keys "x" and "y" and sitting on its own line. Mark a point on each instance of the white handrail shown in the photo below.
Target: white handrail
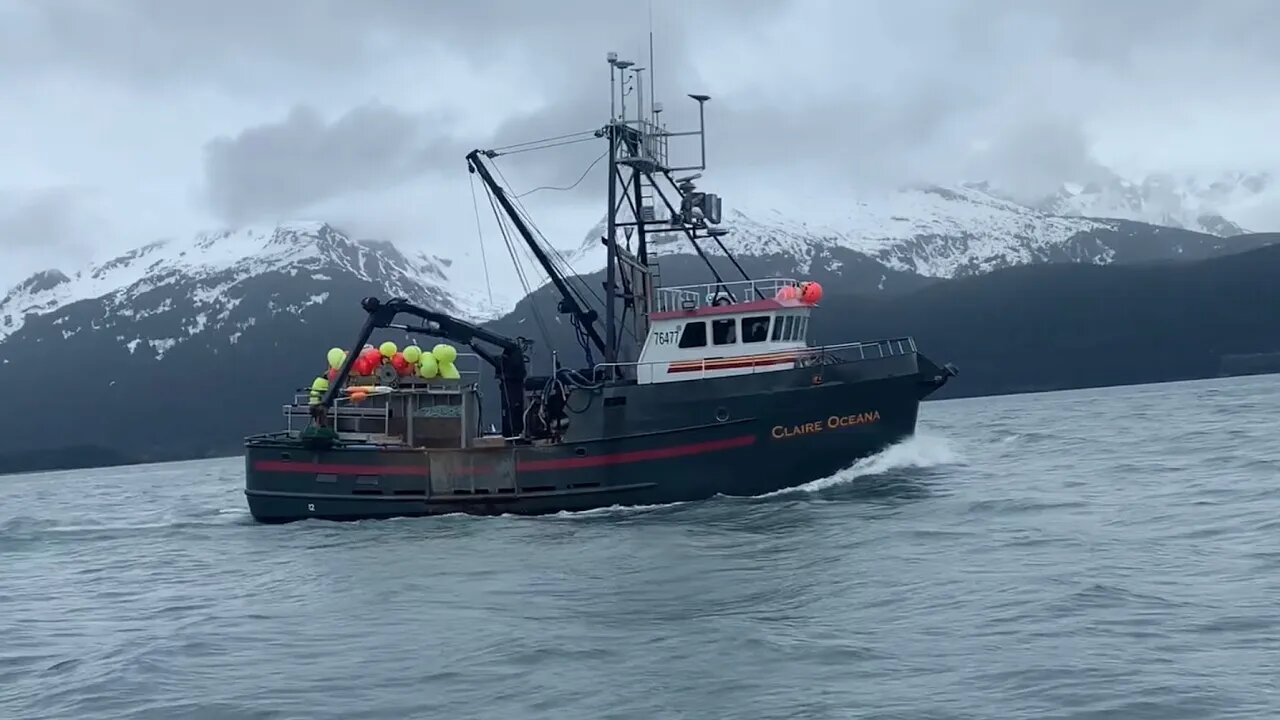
{"x": 668, "y": 299}
{"x": 896, "y": 347}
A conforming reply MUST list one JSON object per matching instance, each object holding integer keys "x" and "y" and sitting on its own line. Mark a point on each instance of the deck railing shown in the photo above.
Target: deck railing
{"x": 469, "y": 368}
{"x": 692, "y": 297}
{"x": 653, "y": 141}
{"x": 838, "y": 354}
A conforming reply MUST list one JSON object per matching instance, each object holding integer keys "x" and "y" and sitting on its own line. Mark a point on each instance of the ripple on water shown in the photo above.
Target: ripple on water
{"x": 1098, "y": 554}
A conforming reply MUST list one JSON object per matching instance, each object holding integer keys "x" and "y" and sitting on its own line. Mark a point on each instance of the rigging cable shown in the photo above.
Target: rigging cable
{"x": 500, "y": 150}
{"x": 483, "y": 258}
{"x": 553, "y": 254}
{"x": 574, "y": 185}
{"x": 515, "y": 260}
{"x": 547, "y": 246}
{"x": 580, "y": 332}
{"x": 495, "y": 153}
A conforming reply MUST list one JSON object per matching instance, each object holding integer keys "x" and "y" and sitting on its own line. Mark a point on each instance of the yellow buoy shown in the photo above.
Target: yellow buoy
{"x": 427, "y": 366}
{"x": 444, "y": 353}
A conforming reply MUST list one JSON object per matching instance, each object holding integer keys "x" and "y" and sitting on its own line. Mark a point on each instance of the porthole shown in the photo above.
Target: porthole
{"x": 722, "y": 414}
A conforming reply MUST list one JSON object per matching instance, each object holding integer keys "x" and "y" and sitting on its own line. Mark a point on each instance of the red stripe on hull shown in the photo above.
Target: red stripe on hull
{"x": 731, "y": 365}
{"x": 623, "y": 458}
{"x": 569, "y": 463}
{"x": 338, "y": 469}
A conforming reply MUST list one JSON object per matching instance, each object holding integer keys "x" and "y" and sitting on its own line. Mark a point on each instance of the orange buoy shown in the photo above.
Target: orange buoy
{"x": 810, "y": 293}
{"x": 786, "y": 292}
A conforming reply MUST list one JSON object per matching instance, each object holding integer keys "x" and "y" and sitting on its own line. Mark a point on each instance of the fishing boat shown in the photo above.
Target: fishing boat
{"x": 721, "y": 394}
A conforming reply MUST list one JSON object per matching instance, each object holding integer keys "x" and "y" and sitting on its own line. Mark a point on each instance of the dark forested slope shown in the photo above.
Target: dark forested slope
{"x": 1037, "y": 327}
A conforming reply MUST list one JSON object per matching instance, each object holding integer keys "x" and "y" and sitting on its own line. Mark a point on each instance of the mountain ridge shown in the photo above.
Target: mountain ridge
{"x": 165, "y": 293}
{"x": 208, "y": 268}
{"x": 1026, "y": 328}
{"x": 1204, "y": 204}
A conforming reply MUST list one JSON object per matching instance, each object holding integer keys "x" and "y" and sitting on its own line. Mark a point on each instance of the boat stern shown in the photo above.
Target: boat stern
{"x": 287, "y": 481}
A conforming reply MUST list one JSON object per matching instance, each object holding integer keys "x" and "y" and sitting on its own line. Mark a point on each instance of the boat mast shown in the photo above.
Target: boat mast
{"x": 611, "y": 226}
{"x": 640, "y": 141}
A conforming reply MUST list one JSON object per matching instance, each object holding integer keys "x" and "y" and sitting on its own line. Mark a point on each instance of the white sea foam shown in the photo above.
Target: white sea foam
{"x": 917, "y": 451}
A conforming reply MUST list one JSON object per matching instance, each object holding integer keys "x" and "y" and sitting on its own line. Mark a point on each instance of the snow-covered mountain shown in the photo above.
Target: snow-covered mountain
{"x": 930, "y": 231}
{"x": 178, "y": 290}
{"x": 1213, "y": 205}
{"x": 198, "y": 286}
{"x": 178, "y": 348}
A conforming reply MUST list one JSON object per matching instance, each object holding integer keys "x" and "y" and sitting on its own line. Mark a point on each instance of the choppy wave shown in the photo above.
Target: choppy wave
{"x": 1093, "y": 554}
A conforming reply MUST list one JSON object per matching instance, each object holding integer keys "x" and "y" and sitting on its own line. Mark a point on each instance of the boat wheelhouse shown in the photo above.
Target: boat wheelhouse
{"x": 716, "y": 331}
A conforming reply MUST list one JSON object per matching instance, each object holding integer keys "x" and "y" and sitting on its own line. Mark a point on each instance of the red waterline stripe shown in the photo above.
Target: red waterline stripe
{"x": 663, "y": 453}
{"x": 339, "y": 469}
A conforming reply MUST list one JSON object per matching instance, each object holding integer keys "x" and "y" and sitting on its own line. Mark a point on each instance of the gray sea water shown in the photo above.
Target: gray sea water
{"x": 1109, "y": 553}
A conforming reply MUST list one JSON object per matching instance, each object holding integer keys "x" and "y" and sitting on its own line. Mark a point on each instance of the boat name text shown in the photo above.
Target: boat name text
{"x": 835, "y": 422}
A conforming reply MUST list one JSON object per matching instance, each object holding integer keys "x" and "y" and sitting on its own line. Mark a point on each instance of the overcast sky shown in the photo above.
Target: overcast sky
{"x": 125, "y": 121}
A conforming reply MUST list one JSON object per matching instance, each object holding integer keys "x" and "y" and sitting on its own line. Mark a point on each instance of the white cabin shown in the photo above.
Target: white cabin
{"x": 695, "y": 333}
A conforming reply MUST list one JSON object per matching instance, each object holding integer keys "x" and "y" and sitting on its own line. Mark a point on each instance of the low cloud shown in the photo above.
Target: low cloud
{"x": 809, "y": 98}
{"x": 51, "y": 219}
{"x": 282, "y": 167}
{"x": 46, "y": 228}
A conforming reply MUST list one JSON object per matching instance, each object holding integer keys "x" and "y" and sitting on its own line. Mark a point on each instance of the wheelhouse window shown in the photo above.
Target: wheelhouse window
{"x": 694, "y": 335}
{"x": 788, "y": 328}
{"x": 802, "y": 327}
{"x": 777, "y": 327}
{"x": 724, "y": 332}
{"x": 755, "y": 329}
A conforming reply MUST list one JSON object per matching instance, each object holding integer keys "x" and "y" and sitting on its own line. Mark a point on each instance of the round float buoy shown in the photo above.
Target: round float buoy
{"x": 428, "y": 367}
{"x": 444, "y": 353}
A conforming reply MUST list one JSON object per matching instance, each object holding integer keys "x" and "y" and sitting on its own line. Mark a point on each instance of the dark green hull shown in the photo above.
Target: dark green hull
{"x": 632, "y": 445}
